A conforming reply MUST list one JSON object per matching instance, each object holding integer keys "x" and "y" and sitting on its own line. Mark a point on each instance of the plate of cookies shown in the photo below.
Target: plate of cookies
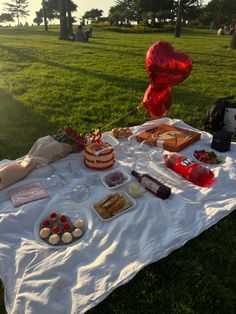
{"x": 113, "y": 205}
{"x": 63, "y": 225}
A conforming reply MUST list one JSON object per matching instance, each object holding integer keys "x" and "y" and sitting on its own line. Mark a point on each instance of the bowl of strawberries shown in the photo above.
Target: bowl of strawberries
{"x": 207, "y": 157}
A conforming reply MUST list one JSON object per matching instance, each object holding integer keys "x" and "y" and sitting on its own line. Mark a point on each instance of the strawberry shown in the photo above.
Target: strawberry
{"x": 53, "y": 216}
{"x": 46, "y": 223}
{"x": 56, "y": 229}
{"x": 63, "y": 219}
{"x": 66, "y": 226}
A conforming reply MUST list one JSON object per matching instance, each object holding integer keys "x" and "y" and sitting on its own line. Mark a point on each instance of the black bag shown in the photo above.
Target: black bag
{"x": 214, "y": 119}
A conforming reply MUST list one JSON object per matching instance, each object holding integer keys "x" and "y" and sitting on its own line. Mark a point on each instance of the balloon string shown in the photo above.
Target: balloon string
{"x": 120, "y": 118}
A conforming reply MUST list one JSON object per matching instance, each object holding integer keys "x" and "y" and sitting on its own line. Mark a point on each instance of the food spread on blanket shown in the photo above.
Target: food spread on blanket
{"x": 121, "y": 132}
{"x": 207, "y": 157}
{"x": 112, "y": 205}
{"x": 99, "y": 156}
{"x": 60, "y": 229}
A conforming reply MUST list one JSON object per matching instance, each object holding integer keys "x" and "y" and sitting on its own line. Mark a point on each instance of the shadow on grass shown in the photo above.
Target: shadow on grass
{"x": 26, "y": 32}
{"x": 20, "y": 127}
{"x": 119, "y": 81}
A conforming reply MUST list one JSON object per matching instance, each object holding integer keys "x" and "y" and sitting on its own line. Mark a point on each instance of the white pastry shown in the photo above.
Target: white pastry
{"x": 79, "y": 223}
{"x": 66, "y": 237}
{"x": 44, "y": 233}
{"x": 54, "y": 239}
{"x": 77, "y": 233}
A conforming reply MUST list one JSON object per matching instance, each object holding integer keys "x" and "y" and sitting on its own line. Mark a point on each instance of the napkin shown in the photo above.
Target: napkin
{"x": 27, "y": 194}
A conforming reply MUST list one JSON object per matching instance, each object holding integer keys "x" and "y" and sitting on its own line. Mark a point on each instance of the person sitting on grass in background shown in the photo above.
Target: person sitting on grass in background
{"x": 221, "y": 31}
{"x": 89, "y": 32}
{"x": 80, "y": 35}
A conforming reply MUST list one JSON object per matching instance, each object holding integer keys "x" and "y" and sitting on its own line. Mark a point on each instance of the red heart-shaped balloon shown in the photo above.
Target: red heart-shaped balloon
{"x": 157, "y": 102}
{"x": 165, "y": 66}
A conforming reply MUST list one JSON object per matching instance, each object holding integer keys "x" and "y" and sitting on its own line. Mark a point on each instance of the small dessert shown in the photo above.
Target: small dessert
{"x": 79, "y": 223}
{"x": 77, "y": 233}
{"x": 63, "y": 219}
{"x": 46, "y": 223}
{"x": 121, "y": 132}
{"x": 44, "y": 233}
{"x": 66, "y": 237}
{"x": 53, "y": 216}
{"x": 99, "y": 156}
{"x": 56, "y": 229}
{"x": 67, "y": 227}
{"x": 54, "y": 239}
{"x": 115, "y": 132}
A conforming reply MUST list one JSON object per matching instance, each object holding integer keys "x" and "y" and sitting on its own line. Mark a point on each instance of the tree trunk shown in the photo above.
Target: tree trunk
{"x": 69, "y": 18}
{"x": 63, "y": 20}
{"x": 17, "y": 14}
{"x": 178, "y": 19}
{"x": 233, "y": 40}
{"x": 45, "y": 16}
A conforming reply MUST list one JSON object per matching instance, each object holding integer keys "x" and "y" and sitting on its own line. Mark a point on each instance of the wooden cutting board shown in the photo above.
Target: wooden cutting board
{"x": 173, "y": 139}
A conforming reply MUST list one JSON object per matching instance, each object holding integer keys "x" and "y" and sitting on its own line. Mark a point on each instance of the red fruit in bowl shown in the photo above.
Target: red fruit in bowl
{"x": 56, "y": 229}
{"x": 53, "y": 216}
{"x": 46, "y": 223}
{"x": 63, "y": 219}
{"x": 67, "y": 226}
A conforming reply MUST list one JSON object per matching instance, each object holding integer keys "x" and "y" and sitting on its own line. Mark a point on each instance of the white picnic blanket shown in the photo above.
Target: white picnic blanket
{"x": 39, "y": 279}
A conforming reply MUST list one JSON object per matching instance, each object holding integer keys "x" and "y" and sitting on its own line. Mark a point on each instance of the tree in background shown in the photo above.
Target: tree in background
{"x": 219, "y": 12}
{"x": 51, "y": 10}
{"x": 44, "y": 11}
{"x": 119, "y": 14}
{"x": 17, "y": 8}
{"x": 178, "y": 19}
{"x": 6, "y": 17}
{"x": 64, "y": 33}
{"x": 93, "y": 15}
{"x": 39, "y": 18}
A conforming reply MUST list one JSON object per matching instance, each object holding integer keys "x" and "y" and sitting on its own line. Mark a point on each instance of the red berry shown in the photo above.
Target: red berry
{"x": 53, "y": 216}
{"x": 63, "y": 219}
{"x": 46, "y": 223}
{"x": 56, "y": 229}
{"x": 67, "y": 226}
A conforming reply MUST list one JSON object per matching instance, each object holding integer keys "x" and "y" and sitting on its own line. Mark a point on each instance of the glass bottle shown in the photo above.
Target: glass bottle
{"x": 153, "y": 185}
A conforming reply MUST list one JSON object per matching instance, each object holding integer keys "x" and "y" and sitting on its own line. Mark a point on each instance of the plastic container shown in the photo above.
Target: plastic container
{"x": 117, "y": 178}
{"x": 190, "y": 170}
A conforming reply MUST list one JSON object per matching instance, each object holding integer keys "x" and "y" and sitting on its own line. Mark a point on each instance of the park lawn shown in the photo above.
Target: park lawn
{"x": 46, "y": 83}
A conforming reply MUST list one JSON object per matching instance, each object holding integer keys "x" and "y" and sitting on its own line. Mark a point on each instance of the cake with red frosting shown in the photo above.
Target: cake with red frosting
{"x": 99, "y": 156}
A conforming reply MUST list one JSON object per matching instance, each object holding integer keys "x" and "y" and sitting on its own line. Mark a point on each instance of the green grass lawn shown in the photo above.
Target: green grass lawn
{"x": 46, "y": 83}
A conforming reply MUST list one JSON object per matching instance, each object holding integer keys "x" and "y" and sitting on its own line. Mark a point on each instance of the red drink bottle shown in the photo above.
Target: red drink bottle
{"x": 190, "y": 170}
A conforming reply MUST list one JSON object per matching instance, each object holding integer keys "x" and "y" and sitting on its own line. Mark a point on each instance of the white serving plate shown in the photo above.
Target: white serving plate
{"x": 128, "y": 198}
{"x": 125, "y": 174}
{"x": 74, "y": 211}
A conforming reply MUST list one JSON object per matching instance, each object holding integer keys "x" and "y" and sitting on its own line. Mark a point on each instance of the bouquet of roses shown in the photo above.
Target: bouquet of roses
{"x": 69, "y": 136}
